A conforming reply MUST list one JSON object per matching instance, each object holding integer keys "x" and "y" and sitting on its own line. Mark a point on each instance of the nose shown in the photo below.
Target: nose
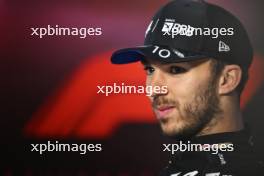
{"x": 158, "y": 83}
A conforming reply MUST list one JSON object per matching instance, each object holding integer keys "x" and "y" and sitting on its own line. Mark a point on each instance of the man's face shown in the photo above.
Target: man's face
{"x": 191, "y": 101}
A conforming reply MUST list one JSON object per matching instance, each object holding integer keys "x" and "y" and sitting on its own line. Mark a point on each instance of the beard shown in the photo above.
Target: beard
{"x": 194, "y": 116}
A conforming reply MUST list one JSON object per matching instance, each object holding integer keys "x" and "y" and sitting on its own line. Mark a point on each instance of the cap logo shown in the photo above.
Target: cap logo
{"x": 150, "y": 27}
{"x": 173, "y": 29}
{"x": 178, "y": 53}
{"x": 223, "y": 47}
{"x": 163, "y": 53}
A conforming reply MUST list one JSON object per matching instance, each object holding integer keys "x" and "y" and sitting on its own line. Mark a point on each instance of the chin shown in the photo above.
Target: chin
{"x": 170, "y": 129}
{"x": 177, "y": 131}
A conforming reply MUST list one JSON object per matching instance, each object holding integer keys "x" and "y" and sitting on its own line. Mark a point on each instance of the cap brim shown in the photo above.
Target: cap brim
{"x": 159, "y": 53}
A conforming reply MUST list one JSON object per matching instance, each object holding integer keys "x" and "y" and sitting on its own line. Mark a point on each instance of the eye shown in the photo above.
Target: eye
{"x": 177, "y": 70}
{"x": 149, "y": 70}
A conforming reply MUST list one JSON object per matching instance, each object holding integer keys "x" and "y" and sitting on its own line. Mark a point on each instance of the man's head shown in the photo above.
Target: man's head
{"x": 202, "y": 54}
{"x": 194, "y": 92}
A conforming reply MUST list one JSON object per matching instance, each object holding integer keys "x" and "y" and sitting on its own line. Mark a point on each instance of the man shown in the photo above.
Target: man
{"x": 202, "y": 54}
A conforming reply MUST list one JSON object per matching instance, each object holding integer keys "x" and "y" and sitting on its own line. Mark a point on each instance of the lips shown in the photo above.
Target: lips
{"x": 163, "y": 111}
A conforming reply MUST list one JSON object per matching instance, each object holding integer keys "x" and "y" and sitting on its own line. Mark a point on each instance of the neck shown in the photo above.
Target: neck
{"x": 229, "y": 120}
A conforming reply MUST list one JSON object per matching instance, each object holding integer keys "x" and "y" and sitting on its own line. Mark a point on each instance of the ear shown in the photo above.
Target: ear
{"x": 230, "y": 79}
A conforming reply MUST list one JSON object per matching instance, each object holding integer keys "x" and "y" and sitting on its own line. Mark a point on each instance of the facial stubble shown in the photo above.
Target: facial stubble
{"x": 199, "y": 113}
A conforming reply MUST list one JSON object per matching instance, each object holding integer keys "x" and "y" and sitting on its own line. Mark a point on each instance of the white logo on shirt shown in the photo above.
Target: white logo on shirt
{"x": 193, "y": 173}
{"x": 213, "y": 174}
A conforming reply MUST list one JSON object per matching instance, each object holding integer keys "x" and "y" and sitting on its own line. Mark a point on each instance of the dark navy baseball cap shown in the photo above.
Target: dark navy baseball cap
{"x": 187, "y": 30}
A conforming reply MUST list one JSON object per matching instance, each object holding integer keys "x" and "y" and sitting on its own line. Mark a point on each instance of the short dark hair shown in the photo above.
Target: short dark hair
{"x": 217, "y": 68}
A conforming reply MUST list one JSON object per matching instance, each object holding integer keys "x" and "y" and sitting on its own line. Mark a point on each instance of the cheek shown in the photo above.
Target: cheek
{"x": 148, "y": 81}
{"x": 183, "y": 88}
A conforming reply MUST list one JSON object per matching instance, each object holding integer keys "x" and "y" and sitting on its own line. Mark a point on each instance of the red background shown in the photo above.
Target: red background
{"x": 48, "y": 87}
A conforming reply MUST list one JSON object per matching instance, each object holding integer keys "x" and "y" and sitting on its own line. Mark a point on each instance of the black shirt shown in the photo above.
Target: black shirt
{"x": 239, "y": 160}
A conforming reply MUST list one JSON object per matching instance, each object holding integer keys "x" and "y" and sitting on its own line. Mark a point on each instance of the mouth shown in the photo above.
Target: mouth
{"x": 163, "y": 111}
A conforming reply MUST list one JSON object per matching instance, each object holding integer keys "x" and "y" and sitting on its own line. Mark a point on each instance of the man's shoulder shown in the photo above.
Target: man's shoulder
{"x": 242, "y": 161}
{"x": 245, "y": 162}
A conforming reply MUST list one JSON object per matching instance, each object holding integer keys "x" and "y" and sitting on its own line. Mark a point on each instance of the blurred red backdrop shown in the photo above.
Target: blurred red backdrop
{"x": 48, "y": 86}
